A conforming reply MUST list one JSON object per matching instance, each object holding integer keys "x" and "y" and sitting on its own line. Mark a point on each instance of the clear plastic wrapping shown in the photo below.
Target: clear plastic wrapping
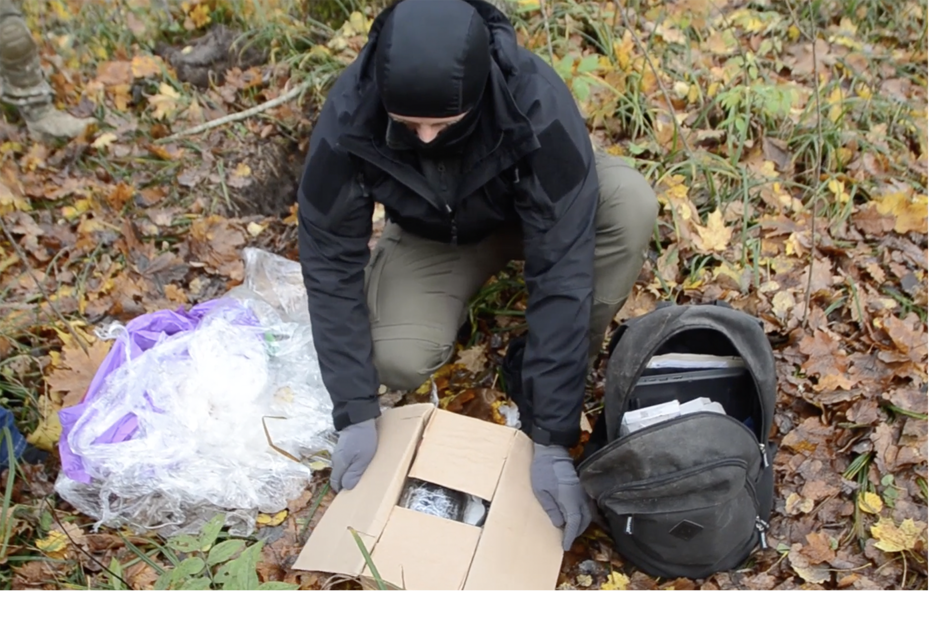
{"x": 433, "y": 500}
{"x": 178, "y": 421}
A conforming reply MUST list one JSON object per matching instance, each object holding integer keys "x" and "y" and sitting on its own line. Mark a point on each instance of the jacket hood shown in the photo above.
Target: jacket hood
{"x": 432, "y": 58}
{"x": 503, "y": 44}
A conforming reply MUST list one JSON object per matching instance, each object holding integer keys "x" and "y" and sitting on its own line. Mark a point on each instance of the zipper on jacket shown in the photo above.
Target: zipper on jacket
{"x": 763, "y": 452}
{"x": 453, "y": 234}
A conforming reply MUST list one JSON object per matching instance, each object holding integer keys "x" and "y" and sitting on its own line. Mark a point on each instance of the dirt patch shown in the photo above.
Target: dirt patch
{"x": 271, "y": 186}
{"x": 206, "y": 60}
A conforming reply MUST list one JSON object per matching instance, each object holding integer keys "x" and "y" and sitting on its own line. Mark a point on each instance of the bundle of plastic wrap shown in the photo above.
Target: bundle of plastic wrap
{"x": 218, "y": 409}
{"x": 433, "y": 500}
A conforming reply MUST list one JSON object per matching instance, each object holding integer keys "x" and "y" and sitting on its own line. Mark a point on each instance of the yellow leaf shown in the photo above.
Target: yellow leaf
{"x": 783, "y": 303}
{"x": 55, "y": 545}
{"x": 892, "y": 538}
{"x": 254, "y": 228}
{"x": 48, "y": 431}
{"x": 838, "y": 189}
{"x": 623, "y": 48}
{"x": 61, "y": 11}
{"x": 242, "y": 170}
{"x": 911, "y": 215}
{"x": 616, "y": 582}
{"x": 104, "y": 140}
{"x": 264, "y": 519}
{"x": 713, "y": 237}
{"x": 200, "y": 15}
{"x": 165, "y": 101}
{"x": 82, "y": 205}
{"x": 869, "y": 502}
{"x": 145, "y": 67}
{"x": 358, "y": 23}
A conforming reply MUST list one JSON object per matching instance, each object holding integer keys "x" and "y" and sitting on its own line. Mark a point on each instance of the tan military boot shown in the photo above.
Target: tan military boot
{"x": 23, "y": 85}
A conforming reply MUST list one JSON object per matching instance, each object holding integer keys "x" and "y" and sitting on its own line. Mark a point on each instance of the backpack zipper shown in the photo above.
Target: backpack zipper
{"x": 676, "y": 476}
{"x": 762, "y": 527}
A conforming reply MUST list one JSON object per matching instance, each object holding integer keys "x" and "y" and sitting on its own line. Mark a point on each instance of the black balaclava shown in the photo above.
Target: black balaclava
{"x": 433, "y": 60}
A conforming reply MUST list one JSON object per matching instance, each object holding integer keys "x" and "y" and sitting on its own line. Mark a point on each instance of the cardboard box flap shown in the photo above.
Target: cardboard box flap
{"x": 366, "y": 508}
{"x": 520, "y": 548}
{"x": 462, "y": 453}
{"x": 419, "y": 552}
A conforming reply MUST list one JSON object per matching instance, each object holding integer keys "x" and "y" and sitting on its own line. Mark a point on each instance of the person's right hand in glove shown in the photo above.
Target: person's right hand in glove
{"x": 355, "y": 449}
{"x": 557, "y": 487}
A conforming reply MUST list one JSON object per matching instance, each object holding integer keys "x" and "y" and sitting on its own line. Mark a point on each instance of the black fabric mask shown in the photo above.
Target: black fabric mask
{"x": 453, "y": 138}
{"x": 433, "y": 59}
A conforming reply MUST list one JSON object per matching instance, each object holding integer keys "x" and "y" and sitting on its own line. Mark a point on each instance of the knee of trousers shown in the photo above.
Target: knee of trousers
{"x": 406, "y": 359}
{"x": 628, "y": 206}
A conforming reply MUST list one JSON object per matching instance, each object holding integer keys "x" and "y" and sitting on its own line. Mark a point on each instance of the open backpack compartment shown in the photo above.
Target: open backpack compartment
{"x": 680, "y": 465}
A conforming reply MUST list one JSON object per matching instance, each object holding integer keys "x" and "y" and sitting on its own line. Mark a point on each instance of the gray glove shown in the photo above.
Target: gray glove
{"x": 557, "y": 487}
{"x": 355, "y": 449}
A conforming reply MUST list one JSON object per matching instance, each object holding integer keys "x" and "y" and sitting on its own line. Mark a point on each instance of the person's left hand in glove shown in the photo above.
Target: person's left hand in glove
{"x": 557, "y": 487}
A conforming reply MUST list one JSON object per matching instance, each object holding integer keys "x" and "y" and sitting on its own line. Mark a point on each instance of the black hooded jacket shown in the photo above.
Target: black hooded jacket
{"x": 528, "y": 163}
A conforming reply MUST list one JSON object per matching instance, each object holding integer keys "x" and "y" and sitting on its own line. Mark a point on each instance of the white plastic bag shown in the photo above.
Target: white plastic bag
{"x": 203, "y": 405}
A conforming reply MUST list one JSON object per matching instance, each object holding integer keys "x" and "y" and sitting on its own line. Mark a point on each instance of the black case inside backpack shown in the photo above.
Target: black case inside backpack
{"x": 692, "y": 495}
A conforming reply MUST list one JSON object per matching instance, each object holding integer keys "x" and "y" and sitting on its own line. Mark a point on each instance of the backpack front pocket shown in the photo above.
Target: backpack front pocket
{"x": 699, "y": 516}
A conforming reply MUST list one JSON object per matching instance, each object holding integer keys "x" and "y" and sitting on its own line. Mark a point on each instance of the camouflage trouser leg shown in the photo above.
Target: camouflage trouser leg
{"x": 20, "y": 74}
{"x": 22, "y": 82}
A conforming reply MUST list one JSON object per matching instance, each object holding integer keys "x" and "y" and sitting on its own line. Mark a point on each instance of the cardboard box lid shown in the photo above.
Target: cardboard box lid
{"x": 421, "y": 552}
{"x": 331, "y": 547}
{"x": 519, "y": 548}
{"x": 462, "y": 453}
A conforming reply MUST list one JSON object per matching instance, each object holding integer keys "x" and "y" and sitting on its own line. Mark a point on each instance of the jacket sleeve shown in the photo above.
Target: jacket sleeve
{"x": 334, "y": 228}
{"x": 556, "y": 198}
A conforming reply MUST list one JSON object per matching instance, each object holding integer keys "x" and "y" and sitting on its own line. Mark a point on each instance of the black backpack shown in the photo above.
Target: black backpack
{"x": 690, "y": 496}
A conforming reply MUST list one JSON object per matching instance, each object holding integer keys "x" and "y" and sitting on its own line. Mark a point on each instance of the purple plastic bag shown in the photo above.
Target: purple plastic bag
{"x": 142, "y": 333}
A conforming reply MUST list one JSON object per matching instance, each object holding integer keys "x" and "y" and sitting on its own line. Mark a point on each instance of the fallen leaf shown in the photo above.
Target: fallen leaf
{"x": 54, "y": 545}
{"x": 869, "y": 502}
{"x": 796, "y": 504}
{"x": 818, "y": 548}
{"x": 813, "y": 575}
{"x": 255, "y": 229}
{"x": 713, "y": 237}
{"x": 104, "y": 141}
{"x": 473, "y": 359}
{"x": 893, "y": 538}
{"x": 165, "y": 102}
{"x": 48, "y": 431}
{"x": 77, "y": 369}
{"x": 616, "y": 582}
{"x": 145, "y": 66}
{"x": 140, "y": 576}
{"x": 584, "y": 580}
{"x": 783, "y": 303}
{"x": 885, "y": 446}
{"x": 216, "y": 241}
{"x": 911, "y": 214}
{"x": 264, "y": 519}
{"x": 115, "y": 72}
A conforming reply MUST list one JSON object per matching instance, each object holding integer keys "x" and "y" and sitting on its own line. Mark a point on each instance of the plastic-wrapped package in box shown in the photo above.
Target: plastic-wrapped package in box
{"x": 433, "y": 500}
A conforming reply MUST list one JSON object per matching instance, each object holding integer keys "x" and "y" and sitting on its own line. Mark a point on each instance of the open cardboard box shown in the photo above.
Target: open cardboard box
{"x": 516, "y": 548}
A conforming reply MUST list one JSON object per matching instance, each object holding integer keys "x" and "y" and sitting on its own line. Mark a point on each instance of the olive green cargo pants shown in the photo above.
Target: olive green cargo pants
{"x": 418, "y": 291}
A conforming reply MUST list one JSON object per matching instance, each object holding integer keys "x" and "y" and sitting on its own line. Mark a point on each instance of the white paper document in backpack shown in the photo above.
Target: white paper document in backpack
{"x": 633, "y": 420}
{"x": 678, "y": 360}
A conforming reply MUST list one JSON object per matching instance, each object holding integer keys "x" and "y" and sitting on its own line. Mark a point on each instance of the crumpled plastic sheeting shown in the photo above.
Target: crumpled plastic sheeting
{"x": 177, "y": 422}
